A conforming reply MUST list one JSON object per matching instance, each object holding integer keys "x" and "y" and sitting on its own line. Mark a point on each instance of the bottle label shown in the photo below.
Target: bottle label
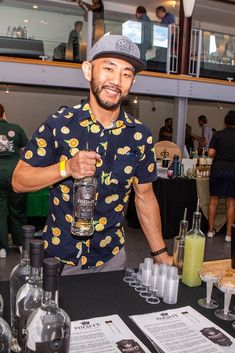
{"x": 58, "y": 345}
{"x": 129, "y": 346}
{"x": 85, "y": 202}
{"x": 4, "y": 345}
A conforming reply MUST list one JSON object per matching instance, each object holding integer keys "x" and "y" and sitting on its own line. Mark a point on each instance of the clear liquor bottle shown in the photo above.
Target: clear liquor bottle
{"x": 193, "y": 252}
{"x": 48, "y": 327}
{"x": 29, "y": 296}
{"x": 179, "y": 244}
{"x": 18, "y": 277}
{"x": 5, "y": 337}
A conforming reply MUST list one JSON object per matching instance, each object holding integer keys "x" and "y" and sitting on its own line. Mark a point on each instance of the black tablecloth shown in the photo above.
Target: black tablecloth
{"x": 101, "y": 294}
{"x": 173, "y": 196}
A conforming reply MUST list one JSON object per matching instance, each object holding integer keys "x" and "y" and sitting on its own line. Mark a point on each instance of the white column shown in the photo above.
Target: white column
{"x": 179, "y": 121}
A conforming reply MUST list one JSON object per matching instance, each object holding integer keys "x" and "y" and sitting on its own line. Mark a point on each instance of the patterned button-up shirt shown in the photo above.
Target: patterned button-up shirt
{"x": 127, "y": 157}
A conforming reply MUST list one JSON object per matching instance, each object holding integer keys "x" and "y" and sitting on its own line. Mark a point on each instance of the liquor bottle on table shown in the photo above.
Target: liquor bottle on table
{"x": 5, "y": 334}
{"x": 84, "y": 196}
{"x": 18, "y": 277}
{"x": 179, "y": 244}
{"x": 48, "y": 327}
{"x": 29, "y": 296}
{"x": 193, "y": 252}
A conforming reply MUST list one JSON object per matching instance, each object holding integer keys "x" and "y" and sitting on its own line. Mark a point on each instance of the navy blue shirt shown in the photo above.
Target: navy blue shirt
{"x": 168, "y": 19}
{"x": 127, "y": 157}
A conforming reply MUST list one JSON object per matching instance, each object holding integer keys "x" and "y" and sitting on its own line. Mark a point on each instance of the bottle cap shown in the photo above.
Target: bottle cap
{"x": 36, "y": 252}
{"x": 50, "y": 274}
{"x": 28, "y": 235}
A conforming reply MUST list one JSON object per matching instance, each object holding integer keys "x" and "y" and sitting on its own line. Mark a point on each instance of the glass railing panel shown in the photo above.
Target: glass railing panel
{"x": 217, "y": 55}
{"x": 44, "y": 32}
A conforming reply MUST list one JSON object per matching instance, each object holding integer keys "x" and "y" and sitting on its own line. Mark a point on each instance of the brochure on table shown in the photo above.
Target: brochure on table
{"x": 184, "y": 330}
{"x": 107, "y": 334}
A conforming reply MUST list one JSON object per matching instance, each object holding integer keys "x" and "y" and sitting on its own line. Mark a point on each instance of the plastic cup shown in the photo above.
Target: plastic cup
{"x": 128, "y": 275}
{"x": 170, "y": 294}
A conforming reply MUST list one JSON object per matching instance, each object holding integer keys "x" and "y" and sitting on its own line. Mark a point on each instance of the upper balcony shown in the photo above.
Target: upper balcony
{"x": 44, "y": 37}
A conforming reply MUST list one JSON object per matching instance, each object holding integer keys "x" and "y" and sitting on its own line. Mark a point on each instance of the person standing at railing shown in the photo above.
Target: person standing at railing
{"x": 12, "y": 205}
{"x": 166, "y": 17}
{"x": 97, "y": 9}
{"x": 206, "y": 136}
{"x": 146, "y": 31}
{"x": 74, "y": 39}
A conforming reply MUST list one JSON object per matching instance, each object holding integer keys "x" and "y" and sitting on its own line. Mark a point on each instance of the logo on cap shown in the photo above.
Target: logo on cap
{"x": 123, "y": 45}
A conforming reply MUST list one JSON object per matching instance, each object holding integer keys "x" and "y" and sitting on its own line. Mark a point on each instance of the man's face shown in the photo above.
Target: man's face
{"x": 137, "y": 14}
{"x": 160, "y": 14}
{"x": 78, "y": 28}
{"x": 111, "y": 81}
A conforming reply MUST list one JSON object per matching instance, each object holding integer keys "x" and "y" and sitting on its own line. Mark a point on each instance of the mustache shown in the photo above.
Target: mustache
{"x": 112, "y": 87}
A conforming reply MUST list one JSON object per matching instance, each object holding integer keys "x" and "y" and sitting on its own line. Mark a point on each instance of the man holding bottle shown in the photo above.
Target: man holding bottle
{"x": 121, "y": 155}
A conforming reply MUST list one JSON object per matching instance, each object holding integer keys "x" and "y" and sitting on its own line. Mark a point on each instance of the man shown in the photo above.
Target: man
{"x": 124, "y": 157}
{"x": 12, "y": 205}
{"x": 166, "y": 17}
{"x": 165, "y": 133}
{"x": 74, "y": 39}
{"x": 206, "y": 136}
{"x": 146, "y": 31}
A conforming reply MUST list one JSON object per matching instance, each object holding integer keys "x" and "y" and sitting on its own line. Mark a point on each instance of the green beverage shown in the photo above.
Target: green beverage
{"x": 193, "y": 259}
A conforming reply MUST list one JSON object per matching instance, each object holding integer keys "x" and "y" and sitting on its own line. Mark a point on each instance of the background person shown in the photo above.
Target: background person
{"x": 12, "y": 205}
{"x": 166, "y": 17}
{"x": 97, "y": 9}
{"x": 74, "y": 39}
{"x": 125, "y": 157}
{"x": 146, "y": 31}
{"x": 222, "y": 177}
{"x": 206, "y": 135}
{"x": 165, "y": 133}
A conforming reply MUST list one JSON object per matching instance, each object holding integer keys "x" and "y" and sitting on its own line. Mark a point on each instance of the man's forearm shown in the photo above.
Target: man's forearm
{"x": 27, "y": 178}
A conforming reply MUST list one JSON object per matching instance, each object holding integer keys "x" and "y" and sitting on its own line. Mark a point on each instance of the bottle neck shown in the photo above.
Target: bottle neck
{"x": 50, "y": 298}
{"x": 25, "y": 255}
{"x": 35, "y": 273}
{"x": 183, "y": 229}
{"x": 197, "y": 221}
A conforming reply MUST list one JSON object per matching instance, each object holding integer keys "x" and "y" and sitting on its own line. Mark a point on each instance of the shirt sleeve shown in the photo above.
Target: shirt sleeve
{"x": 40, "y": 151}
{"x": 146, "y": 171}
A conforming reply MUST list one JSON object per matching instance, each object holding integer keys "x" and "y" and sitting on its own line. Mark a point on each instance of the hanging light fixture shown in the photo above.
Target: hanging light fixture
{"x": 188, "y": 7}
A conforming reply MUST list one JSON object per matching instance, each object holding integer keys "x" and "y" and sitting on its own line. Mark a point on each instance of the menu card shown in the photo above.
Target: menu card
{"x": 184, "y": 330}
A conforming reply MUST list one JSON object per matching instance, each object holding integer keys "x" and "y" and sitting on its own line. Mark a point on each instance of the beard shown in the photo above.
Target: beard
{"x": 96, "y": 90}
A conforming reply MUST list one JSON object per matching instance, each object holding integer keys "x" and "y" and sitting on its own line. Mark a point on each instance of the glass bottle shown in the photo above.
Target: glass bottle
{"x": 19, "y": 276}
{"x": 175, "y": 165}
{"x": 179, "y": 244}
{"x": 84, "y": 197}
{"x": 48, "y": 327}
{"x": 1, "y": 306}
{"x": 5, "y": 337}
{"x": 202, "y": 159}
{"x": 193, "y": 252}
{"x": 29, "y": 296}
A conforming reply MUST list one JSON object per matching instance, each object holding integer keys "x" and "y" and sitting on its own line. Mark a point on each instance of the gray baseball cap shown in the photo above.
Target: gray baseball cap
{"x": 116, "y": 46}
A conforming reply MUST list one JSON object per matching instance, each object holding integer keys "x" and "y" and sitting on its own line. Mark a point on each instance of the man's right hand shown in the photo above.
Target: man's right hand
{"x": 82, "y": 164}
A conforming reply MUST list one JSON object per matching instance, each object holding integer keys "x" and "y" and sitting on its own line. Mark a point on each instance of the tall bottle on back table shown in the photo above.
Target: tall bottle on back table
{"x": 18, "y": 277}
{"x": 193, "y": 252}
{"x": 5, "y": 332}
{"x": 84, "y": 196}
{"x": 179, "y": 244}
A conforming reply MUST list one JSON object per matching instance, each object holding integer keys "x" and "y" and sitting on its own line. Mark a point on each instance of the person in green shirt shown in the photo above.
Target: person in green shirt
{"x": 12, "y": 205}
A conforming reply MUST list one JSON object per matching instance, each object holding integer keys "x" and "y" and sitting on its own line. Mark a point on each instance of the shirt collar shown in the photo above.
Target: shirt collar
{"x": 3, "y": 121}
{"x": 85, "y": 112}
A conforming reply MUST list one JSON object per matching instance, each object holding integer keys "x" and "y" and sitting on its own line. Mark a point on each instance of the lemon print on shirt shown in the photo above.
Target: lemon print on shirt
{"x": 99, "y": 227}
{"x": 56, "y": 201}
{"x": 73, "y": 142}
{"x": 65, "y": 130}
{"x": 41, "y": 152}
{"x": 128, "y": 169}
{"x": 119, "y": 208}
{"x": 115, "y": 250}
{"x": 150, "y": 140}
{"x": 99, "y": 263}
{"x": 41, "y": 142}
{"x": 137, "y": 136}
{"x": 84, "y": 260}
{"x": 45, "y": 244}
{"x": 95, "y": 128}
{"x": 63, "y": 158}
{"x": 116, "y": 131}
{"x": 56, "y": 232}
{"x": 65, "y": 197}
{"x": 69, "y": 218}
{"x": 42, "y": 128}
{"x": 55, "y": 240}
{"x": 28, "y": 155}
{"x": 73, "y": 151}
{"x": 84, "y": 123}
{"x": 103, "y": 220}
{"x": 64, "y": 188}
{"x": 68, "y": 116}
{"x": 151, "y": 167}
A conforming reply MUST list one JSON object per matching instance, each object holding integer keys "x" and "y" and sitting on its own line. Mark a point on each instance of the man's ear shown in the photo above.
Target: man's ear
{"x": 86, "y": 68}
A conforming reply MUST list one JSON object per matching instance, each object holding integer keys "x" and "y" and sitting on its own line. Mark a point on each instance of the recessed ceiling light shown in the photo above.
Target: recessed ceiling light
{"x": 26, "y": 21}
{"x": 35, "y": 7}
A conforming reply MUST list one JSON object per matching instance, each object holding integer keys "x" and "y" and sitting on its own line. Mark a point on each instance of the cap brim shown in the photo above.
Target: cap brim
{"x": 138, "y": 64}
